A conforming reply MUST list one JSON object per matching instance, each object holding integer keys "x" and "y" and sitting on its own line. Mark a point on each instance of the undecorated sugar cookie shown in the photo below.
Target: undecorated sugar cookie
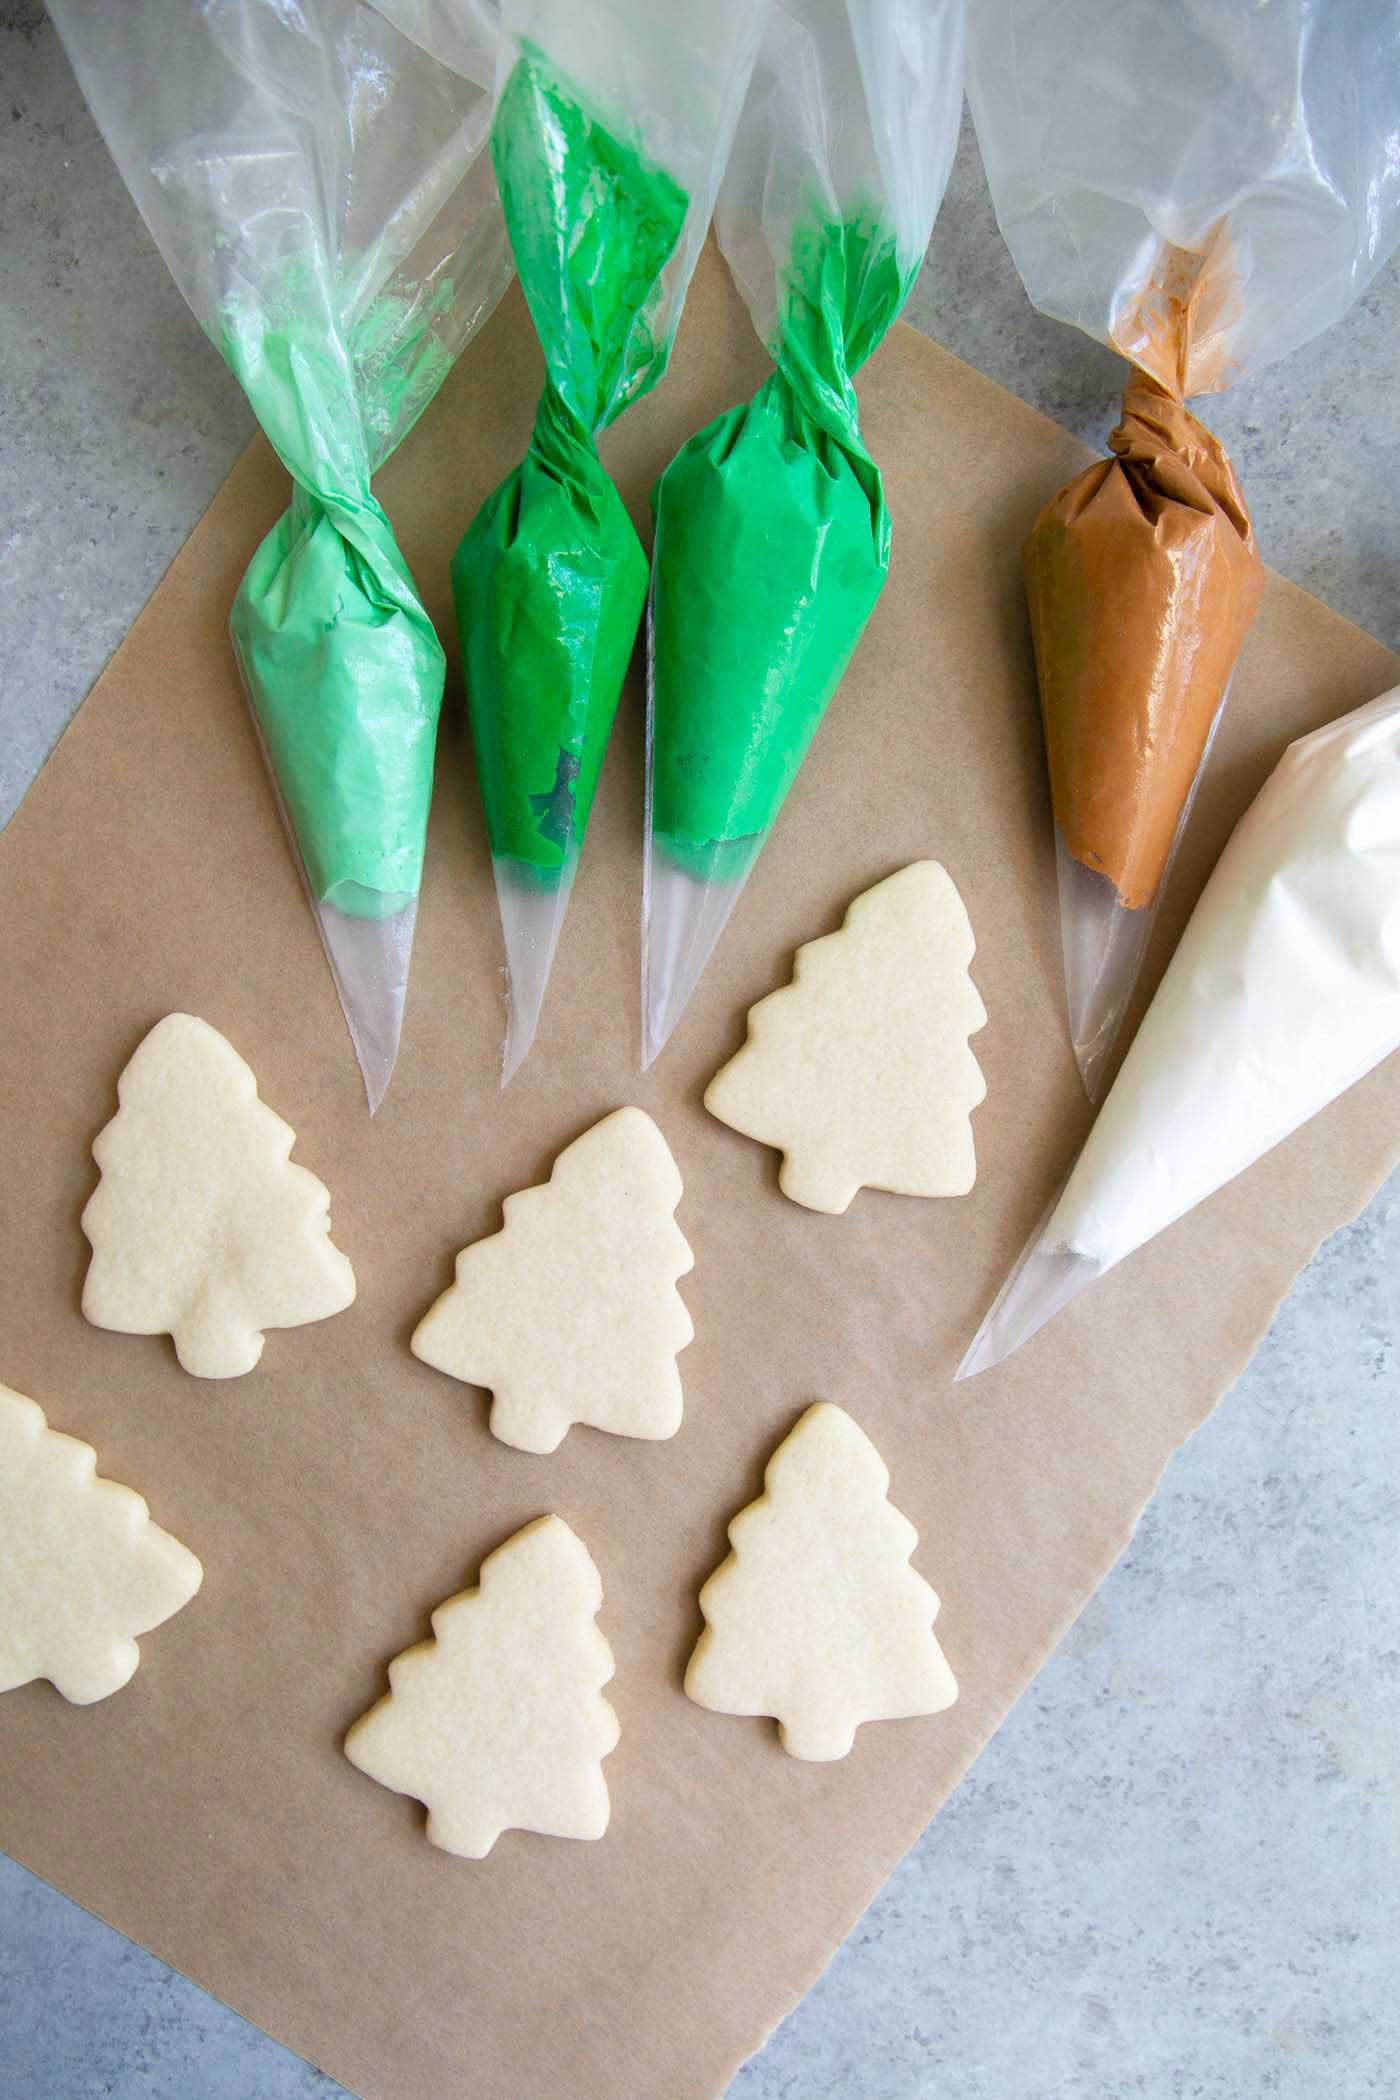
{"x": 816, "y": 1617}
{"x": 570, "y": 1313}
{"x": 83, "y": 1570}
{"x": 859, "y": 1071}
{"x": 201, "y": 1226}
{"x": 498, "y": 1722}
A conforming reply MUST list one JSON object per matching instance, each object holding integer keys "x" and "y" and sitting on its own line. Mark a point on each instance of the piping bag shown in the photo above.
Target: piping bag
{"x": 1284, "y": 991}
{"x": 1202, "y": 190}
{"x": 318, "y": 184}
{"x": 609, "y": 135}
{"x": 772, "y": 533}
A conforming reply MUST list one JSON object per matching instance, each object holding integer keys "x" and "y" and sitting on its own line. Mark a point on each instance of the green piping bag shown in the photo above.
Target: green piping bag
{"x": 772, "y": 532}
{"x": 550, "y": 577}
{"x": 610, "y": 133}
{"x": 318, "y": 182}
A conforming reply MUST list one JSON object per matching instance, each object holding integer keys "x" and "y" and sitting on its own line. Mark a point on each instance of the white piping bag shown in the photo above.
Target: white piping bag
{"x": 1284, "y": 991}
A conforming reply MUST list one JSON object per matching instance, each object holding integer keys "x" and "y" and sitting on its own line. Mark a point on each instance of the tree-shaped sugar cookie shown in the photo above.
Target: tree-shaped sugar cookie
{"x": 816, "y": 1617}
{"x": 83, "y": 1570}
{"x": 498, "y": 1722}
{"x": 201, "y": 1226}
{"x": 570, "y": 1313}
{"x": 859, "y": 1071}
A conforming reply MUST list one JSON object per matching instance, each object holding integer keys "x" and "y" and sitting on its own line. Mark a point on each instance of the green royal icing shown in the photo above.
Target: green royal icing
{"x": 550, "y": 577}
{"x": 772, "y": 544}
{"x": 341, "y": 662}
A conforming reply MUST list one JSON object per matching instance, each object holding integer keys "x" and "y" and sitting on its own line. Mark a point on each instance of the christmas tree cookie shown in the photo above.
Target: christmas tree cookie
{"x": 83, "y": 1570}
{"x": 201, "y": 1226}
{"x": 859, "y": 1071}
{"x": 570, "y": 1313}
{"x": 498, "y": 1722}
{"x": 816, "y": 1617}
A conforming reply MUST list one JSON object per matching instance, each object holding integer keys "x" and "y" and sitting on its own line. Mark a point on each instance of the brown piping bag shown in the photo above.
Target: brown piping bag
{"x": 1203, "y": 189}
{"x": 1142, "y": 578}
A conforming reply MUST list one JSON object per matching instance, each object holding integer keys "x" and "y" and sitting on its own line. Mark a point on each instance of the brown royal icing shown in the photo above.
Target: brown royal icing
{"x": 1142, "y": 576}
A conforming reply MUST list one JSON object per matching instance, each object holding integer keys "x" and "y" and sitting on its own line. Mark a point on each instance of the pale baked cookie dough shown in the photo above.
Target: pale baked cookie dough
{"x": 570, "y": 1313}
{"x": 499, "y": 1723}
{"x": 83, "y": 1570}
{"x": 202, "y": 1227}
{"x": 816, "y": 1617}
{"x": 859, "y": 1071}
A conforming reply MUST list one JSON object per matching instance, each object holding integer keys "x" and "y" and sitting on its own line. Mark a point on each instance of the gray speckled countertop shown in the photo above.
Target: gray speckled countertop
{"x": 1174, "y": 1873}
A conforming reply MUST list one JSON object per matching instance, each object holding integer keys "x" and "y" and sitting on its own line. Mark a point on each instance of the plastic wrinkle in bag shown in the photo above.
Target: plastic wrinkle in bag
{"x": 772, "y": 533}
{"x": 319, "y": 185}
{"x": 610, "y": 132}
{"x": 1284, "y": 991}
{"x": 1203, "y": 189}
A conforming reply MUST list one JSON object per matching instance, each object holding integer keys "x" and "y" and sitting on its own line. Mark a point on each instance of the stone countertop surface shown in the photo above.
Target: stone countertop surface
{"x": 1173, "y": 1873}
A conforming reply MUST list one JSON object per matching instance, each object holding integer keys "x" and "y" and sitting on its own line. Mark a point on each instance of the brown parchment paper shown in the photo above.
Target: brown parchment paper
{"x": 343, "y": 1489}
